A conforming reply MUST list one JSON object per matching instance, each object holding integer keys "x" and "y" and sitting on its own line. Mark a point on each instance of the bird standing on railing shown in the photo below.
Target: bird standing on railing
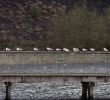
{"x": 35, "y": 49}
{"x": 19, "y": 49}
{"x": 84, "y": 49}
{"x": 49, "y": 49}
{"x": 8, "y": 49}
{"x": 92, "y": 49}
{"x": 58, "y": 49}
{"x": 105, "y": 49}
{"x": 75, "y": 49}
{"x": 66, "y": 50}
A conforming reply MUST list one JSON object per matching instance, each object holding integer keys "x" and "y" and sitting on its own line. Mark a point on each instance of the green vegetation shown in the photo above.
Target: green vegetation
{"x": 35, "y": 11}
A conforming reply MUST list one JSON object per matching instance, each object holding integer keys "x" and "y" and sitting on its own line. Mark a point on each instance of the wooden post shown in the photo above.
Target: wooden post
{"x": 84, "y": 91}
{"x": 90, "y": 90}
{"x": 8, "y": 90}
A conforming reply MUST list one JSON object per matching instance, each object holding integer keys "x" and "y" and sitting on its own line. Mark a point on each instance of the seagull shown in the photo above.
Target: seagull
{"x": 66, "y": 50}
{"x": 35, "y": 49}
{"x": 19, "y": 49}
{"x": 58, "y": 49}
{"x": 105, "y": 49}
{"x": 49, "y": 49}
{"x": 8, "y": 49}
{"x": 84, "y": 49}
{"x": 75, "y": 49}
{"x": 92, "y": 49}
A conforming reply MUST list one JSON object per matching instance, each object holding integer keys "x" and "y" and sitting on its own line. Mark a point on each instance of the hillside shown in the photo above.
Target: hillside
{"x": 21, "y": 24}
{"x": 27, "y": 23}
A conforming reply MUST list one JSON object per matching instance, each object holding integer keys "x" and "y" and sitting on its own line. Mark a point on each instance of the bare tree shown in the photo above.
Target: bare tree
{"x": 79, "y": 28}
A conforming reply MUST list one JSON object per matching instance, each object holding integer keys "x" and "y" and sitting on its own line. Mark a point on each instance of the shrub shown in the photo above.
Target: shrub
{"x": 35, "y": 11}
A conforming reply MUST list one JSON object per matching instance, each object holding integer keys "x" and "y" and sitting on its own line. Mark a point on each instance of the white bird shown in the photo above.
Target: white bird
{"x": 19, "y": 49}
{"x": 66, "y": 50}
{"x": 84, "y": 49}
{"x": 75, "y": 49}
{"x": 8, "y": 49}
{"x": 92, "y": 49}
{"x": 35, "y": 49}
{"x": 105, "y": 49}
{"x": 49, "y": 49}
{"x": 58, "y": 49}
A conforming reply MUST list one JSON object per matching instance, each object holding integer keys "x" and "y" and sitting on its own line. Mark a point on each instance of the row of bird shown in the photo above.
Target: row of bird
{"x": 58, "y": 49}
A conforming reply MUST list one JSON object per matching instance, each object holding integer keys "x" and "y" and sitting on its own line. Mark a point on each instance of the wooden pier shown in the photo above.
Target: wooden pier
{"x": 30, "y": 66}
